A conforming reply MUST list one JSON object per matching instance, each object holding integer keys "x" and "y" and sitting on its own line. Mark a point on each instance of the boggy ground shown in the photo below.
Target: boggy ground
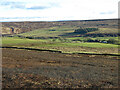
{"x": 40, "y": 69}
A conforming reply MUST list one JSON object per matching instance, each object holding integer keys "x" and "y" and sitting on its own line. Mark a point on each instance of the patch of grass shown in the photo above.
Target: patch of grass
{"x": 93, "y": 45}
{"x": 105, "y": 30}
{"x": 47, "y": 32}
{"x": 60, "y": 46}
{"x": 99, "y": 38}
{"x": 96, "y": 45}
{"x": 16, "y": 40}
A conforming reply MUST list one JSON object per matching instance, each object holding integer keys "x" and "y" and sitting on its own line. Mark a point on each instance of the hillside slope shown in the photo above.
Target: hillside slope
{"x": 22, "y": 27}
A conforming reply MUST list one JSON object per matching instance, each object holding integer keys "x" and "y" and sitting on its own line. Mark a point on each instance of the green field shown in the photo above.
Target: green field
{"x": 49, "y": 32}
{"x": 16, "y": 41}
{"x": 61, "y": 46}
{"x": 100, "y": 38}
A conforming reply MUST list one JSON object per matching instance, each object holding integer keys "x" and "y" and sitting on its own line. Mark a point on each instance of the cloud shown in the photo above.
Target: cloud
{"x": 19, "y": 17}
{"x": 58, "y": 9}
{"x": 29, "y": 8}
{"x": 24, "y": 5}
{"x": 13, "y": 5}
{"x": 8, "y": 3}
{"x": 37, "y": 7}
{"x": 17, "y": 6}
{"x": 26, "y": 19}
{"x": 110, "y": 12}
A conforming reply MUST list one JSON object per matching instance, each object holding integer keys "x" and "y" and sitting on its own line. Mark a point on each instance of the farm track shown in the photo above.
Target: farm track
{"x": 43, "y": 69}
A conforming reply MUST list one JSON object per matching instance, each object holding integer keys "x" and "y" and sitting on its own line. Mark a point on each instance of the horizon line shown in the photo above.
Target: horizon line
{"x": 61, "y": 20}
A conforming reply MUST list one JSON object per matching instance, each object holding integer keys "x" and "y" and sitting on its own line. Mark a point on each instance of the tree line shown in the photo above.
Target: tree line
{"x": 85, "y": 30}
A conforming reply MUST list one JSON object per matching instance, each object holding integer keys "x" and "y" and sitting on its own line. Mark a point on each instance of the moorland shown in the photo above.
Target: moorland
{"x": 60, "y": 54}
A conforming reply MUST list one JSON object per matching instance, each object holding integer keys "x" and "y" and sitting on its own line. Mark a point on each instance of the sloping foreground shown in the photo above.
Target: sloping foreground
{"x": 42, "y": 69}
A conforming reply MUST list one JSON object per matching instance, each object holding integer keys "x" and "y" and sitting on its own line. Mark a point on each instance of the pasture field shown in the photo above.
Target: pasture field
{"x": 68, "y": 47}
{"x": 99, "y": 38}
{"x": 49, "y": 32}
{"x": 17, "y": 40}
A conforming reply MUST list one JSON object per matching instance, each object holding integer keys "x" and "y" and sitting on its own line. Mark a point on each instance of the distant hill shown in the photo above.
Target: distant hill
{"x": 22, "y": 27}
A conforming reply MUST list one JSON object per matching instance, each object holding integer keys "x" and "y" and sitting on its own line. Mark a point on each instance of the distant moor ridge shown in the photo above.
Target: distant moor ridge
{"x": 22, "y": 27}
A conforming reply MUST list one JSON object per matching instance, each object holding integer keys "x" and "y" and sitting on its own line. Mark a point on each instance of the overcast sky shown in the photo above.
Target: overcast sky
{"x": 54, "y": 10}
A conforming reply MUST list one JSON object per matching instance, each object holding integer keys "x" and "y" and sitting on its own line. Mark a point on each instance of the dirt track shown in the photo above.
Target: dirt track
{"x": 25, "y": 68}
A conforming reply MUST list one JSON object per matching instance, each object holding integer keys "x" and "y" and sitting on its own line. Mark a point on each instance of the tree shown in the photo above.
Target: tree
{"x": 54, "y": 40}
{"x": 90, "y": 40}
{"x": 61, "y": 39}
{"x": 112, "y": 41}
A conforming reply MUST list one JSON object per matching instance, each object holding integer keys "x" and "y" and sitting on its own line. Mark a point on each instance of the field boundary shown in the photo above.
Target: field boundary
{"x": 60, "y": 51}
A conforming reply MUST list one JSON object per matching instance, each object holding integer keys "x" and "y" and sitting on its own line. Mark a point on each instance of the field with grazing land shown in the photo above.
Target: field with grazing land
{"x": 64, "y": 54}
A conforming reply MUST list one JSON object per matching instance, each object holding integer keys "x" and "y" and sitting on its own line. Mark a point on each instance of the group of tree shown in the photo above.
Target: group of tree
{"x": 85, "y": 30}
{"x": 113, "y": 41}
{"x": 61, "y": 39}
{"x": 110, "y": 41}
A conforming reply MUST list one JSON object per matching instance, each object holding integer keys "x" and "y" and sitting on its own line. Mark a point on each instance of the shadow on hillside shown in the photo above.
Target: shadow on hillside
{"x": 70, "y": 34}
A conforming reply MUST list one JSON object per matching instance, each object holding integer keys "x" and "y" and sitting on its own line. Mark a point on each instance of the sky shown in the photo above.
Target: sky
{"x": 57, "y": 10}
